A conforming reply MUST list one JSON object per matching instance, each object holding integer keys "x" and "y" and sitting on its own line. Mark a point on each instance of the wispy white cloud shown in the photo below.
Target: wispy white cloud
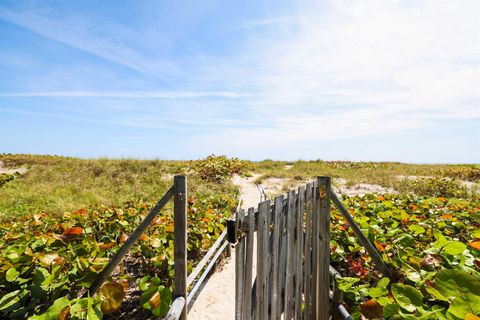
{"x": 125, "y": 94}
{"x": 81, "y": 32}
{"x": 344, "y": 70}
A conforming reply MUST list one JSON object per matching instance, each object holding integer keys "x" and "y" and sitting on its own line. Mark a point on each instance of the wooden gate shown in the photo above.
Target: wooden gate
{"x": 288, "y": 276}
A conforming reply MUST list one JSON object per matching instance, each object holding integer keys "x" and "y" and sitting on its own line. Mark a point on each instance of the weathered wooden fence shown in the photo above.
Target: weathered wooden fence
{"x": 291, "y": 277}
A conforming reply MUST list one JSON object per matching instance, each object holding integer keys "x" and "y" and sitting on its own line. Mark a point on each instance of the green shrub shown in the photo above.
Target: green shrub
{"x": 433, "y": 187}
{"x": 463, "y": 173}
{"x": 5, "y": 177}
{"x": 218, "y": 168}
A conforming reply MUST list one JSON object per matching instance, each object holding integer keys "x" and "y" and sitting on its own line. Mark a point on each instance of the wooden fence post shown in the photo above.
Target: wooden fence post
{"x": 180, "y": 242}
{"x": 323, "y": 262}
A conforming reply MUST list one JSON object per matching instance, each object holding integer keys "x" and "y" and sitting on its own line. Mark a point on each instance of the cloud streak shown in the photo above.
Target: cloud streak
{"x": 125, "y": 94}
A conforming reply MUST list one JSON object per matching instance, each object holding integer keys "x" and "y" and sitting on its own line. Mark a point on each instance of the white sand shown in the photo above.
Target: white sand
{"x": 3, "y": 169}
{"x": 217, "y": 299}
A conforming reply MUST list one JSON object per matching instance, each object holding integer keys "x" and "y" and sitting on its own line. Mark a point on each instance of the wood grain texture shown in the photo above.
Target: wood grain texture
{"x": 247, "y": 294}
{"x": 180, "y": 243}
{"x": 299, "y": 233}
{"x": 308, "y": 252}
{"x": 239, "y": 269}
{"x": 323, "y": 281}
{"x": 289, "y": 288}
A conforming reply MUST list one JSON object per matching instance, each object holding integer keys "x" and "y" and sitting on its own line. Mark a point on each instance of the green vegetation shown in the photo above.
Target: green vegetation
{"x": 218, "y": 168}
{"x": 65, "y": 217}
{"x": 431, "y": 244}
{"x": 386, "y": 174}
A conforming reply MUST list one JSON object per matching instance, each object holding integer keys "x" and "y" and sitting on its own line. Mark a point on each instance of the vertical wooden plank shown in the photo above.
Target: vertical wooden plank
{"x": 299, "y": 253}
{"x": 268, "y": 271}
{"x": 239, "y": 269}
{"x": 247, "y": 298}
{"x": 315, "y": 248}
{"x": 180, "y": 242}
{"x": 323, "y": 281}
{"x": 262, "y": 240}
{"x": 308, "y": 252}
{"x": 289, "y": 257}
{"x": 278, "y": 209}
{"x": 282, "y": 259}
{"x": 264, "y": 209}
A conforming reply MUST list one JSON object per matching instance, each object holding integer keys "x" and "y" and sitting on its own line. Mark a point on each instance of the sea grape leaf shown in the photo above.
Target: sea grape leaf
{"x": 380, "y": 289}
{"x": 346, "y": 283}
{"x": 455, "y": 247}
{"x": 9, "y": 300}
{"x": 390, "y": 310}
{"x": 462, "y": 289}
{"x": 11, "y": 274}
{"x": 371, "y": 309}
{"x": 441, "y": 240}
{"x": 407, "y": 296}
{"x": 53, "y": 312}
{"x": 112, "y": 294}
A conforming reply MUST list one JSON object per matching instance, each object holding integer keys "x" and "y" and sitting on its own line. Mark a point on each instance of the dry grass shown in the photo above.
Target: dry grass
{"x": 57, "y": 184}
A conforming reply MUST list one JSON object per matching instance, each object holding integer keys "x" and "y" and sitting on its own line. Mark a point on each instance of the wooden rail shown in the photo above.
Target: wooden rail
{"x": 117, "y": 258}
{"x": 372, "y": 251}
{"x": 178, "y": 192}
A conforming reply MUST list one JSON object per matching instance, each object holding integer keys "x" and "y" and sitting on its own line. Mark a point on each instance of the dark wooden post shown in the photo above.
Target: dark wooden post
{"x": 180, "y": 246}
{"x": 323, "y": 263}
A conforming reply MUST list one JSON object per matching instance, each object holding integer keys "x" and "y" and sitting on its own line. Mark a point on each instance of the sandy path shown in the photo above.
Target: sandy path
{"x": 217, "y": 299}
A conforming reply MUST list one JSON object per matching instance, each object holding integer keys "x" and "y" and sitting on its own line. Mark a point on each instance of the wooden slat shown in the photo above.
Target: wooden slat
{"x": 199, "y": 284}
{"x": 283, "y": 259}
{"x": 315, "y": 248}
{"x": 239, "y": 270}
{"x": 265, "y": 209}
{"x": 180, "y": 243}
{"x": 175, "y": 310}
{"x": 193, "y": 275}
{"x": 276, "y": 234}
{"x": 247, "y": 294}
{"x": 289, "y": 289}
{"x": 261, "y": 260}
{"x": 308, "y": 253}
{"x": 299, "y": 253}
{"x": 323, "y": 282}
{"x": 269, "y": 276}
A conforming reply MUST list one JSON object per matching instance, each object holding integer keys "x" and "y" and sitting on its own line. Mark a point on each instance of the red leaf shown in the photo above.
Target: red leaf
{"x": 475, "y": 244}
{"x": 379, "y": 246}
{"x": 123, "y": 238}
{"x": 107, "y": 245}
{"x": 73, "y": 231}
{"x": 81, "y": 211}
{"x": 371, "y": 309}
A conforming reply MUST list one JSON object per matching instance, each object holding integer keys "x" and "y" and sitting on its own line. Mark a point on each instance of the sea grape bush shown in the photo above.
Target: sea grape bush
{"x": 46, "y": 261}
{"x": 432, "y": 246}
{"x": 463, "y": 173}
{"x": 433, "y": 187}
{"x": 218, "y": 168}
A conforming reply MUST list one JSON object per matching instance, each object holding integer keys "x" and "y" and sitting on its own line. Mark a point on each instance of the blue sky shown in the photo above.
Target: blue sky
{"x": 346, "y": 80}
